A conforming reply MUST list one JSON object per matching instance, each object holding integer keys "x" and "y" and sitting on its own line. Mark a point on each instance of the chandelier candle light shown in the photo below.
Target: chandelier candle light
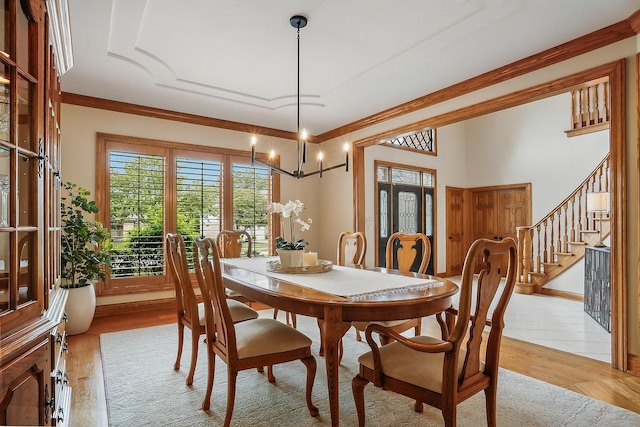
{"x": 298, "y": 22}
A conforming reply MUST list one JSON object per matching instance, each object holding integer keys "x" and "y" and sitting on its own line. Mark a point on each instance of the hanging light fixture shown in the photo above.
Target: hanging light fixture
{"x": 298, "y": 21}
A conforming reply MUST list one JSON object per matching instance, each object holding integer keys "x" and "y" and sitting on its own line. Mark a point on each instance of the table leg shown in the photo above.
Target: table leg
{"x": 333, "y": 329}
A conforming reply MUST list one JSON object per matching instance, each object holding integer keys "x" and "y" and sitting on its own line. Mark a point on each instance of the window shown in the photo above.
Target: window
{"x": 423, "y": 141}
{"x": 251, "y": 195}
{"x": 150, "y": 188}
{"x": 136, "y": 189}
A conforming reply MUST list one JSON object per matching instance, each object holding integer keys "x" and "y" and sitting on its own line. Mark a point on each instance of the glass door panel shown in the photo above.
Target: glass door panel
{"x": 384, "y": 220}
{"x": 5, "y": 103}
{"x": 27, "y": 263}
{"x": 27, "y": 191}
{"x": 5, "y": 186}
{"x": 5, "y": 26}
{"x": 429, "y": 212}
{"x": 22, "y": 39}
{"x": 407, "y": 216}
{"x": 24, "y": 114}
{"x": 5, "y": 272}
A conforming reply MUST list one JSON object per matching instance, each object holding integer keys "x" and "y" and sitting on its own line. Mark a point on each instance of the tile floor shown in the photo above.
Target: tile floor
{"x": 556, "y": 322}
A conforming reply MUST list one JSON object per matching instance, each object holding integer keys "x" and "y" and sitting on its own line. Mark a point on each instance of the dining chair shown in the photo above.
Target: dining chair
{"x": 403, "y": 252}
{"x": 191, "y": 313}
{"x": 230, "y": 244}
{"x": 251, "y": 344}
{"x": 352, "y": 248}
{"x": 442, "y": 372}
{"x": 235, "y": 244}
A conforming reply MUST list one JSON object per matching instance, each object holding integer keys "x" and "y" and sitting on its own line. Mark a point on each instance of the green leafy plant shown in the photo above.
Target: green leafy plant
{"x": 290, "y": 212}
{"x": 84, "y": 244}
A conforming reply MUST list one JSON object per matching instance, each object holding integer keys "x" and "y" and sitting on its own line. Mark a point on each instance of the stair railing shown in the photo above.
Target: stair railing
{"x": 566, "y": 225}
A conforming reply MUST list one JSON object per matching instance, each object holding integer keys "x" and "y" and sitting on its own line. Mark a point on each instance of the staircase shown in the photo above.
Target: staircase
{"x": 556, "y": 242}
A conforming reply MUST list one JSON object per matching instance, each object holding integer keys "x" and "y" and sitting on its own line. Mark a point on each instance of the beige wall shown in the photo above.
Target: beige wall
{"x": 330, "y": 201}
{"x": 625, "y": 49}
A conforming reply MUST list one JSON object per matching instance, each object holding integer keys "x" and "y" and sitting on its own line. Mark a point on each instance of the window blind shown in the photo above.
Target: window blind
{"x": 198, "y": 195}
{"x": 250, "y": 199}
{"x": 136, "y": 201}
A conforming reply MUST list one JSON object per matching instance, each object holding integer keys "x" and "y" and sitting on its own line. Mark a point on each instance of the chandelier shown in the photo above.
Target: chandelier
{"x": 298, "y": 22}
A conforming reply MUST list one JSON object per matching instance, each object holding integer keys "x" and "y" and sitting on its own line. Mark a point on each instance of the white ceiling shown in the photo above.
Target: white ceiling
{"x": 236, "y": 59}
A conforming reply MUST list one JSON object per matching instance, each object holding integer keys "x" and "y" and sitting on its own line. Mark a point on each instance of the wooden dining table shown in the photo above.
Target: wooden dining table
{"x": 338, "y": 297}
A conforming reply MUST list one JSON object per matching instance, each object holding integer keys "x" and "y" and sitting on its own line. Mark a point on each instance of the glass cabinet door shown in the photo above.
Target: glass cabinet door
{"x": 21, "y": 167}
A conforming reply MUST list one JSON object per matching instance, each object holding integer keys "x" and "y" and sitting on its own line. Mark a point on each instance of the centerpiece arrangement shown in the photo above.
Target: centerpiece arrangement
{"x": 290, "y": 250}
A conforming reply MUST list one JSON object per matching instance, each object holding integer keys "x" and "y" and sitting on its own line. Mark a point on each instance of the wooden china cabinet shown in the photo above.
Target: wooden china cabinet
{"x": 34, "y": 386}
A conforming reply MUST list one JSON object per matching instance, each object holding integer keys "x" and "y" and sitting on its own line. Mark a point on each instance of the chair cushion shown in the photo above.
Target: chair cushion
{"x": 239, "y": 312}
{"x": 411, "y": 366}
{"x": 267, "y": 336}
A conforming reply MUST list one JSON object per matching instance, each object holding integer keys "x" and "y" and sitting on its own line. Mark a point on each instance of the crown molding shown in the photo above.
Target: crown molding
{"x": 595, "y": 40}
{"x": 158, "y": 113}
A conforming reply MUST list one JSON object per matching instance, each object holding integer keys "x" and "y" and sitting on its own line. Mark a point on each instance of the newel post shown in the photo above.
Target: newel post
{"x": 525, "y": 260}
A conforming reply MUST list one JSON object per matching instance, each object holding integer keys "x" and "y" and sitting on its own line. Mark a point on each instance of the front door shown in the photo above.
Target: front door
{"x": 405, "y": 205}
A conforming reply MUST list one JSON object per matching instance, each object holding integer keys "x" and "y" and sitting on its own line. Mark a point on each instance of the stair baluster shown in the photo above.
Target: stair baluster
{"x": 543, "y": 253}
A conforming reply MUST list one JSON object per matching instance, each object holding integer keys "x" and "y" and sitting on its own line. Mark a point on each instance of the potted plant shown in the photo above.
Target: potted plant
{"x": 84, "y": 256}
{"x": 290, "y": 250}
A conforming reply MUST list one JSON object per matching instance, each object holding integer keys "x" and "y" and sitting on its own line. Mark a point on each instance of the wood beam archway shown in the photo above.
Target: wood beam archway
{"x": 615, "y": 71}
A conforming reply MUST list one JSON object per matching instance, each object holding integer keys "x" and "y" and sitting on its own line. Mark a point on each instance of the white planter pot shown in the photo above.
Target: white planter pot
{"x": 80, "y": 308}
{"x": 290, "y": 258}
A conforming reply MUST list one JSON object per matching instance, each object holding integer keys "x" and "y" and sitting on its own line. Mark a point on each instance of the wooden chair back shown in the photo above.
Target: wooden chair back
{"x": 405, "y": 248}
{"x": 219, "y": 324}
{"x": 352, "y": 248}
{"x": 186, "y": 300}
{"x": 477, "y": 298}
{"x": 230, "y": 244}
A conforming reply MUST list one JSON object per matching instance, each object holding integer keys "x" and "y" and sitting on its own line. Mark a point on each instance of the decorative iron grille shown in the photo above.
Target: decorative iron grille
{"x": 422, "y": 140}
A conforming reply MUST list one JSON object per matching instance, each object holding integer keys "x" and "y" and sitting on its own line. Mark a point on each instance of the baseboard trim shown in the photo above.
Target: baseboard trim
{"x": 562, "y": 294}
{"x": 135, "y": 307}
{"x": 633, "y": 364}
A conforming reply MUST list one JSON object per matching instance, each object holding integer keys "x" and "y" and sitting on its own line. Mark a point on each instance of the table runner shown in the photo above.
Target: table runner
{"x": 347, "y": 282}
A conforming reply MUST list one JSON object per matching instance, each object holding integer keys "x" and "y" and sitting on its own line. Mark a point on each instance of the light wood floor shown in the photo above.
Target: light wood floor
{"x": 586, "y": 376}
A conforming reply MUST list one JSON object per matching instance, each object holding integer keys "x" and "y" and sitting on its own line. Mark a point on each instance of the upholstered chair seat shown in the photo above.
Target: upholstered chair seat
{"x": 414, "y": 367}
{"x": 266, "y": 336}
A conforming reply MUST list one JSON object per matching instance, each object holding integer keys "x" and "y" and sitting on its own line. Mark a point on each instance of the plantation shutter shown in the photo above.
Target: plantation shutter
{"x": 251, "y": 195}
{"x": 198, "y": 195}
{"x": 136, "y": 200}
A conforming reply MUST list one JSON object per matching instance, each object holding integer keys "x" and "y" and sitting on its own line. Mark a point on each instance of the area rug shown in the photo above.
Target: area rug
{"x": 142, "y": 389}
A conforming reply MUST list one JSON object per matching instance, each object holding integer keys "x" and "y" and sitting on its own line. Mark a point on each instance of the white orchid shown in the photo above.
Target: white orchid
{"x": 291, "y": 211}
